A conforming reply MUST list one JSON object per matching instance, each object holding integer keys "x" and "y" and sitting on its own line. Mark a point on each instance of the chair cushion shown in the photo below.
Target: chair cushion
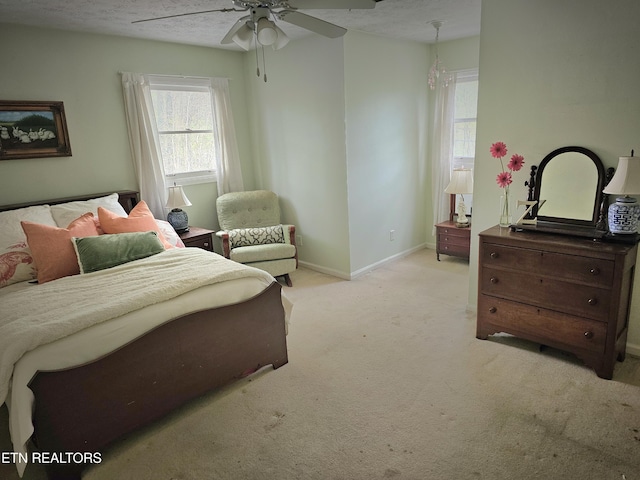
{"x": 258, "y": 253}
{"x": 243, "y": 237}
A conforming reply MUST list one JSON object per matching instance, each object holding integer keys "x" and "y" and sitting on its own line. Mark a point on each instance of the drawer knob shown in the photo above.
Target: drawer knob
{"x": 206, "y": 244}
{"x": 588, "y": 335}
{"x": 594, "y": 271}
{"x": 593, "y": 301}
{"x": 494, "y": 280}
{"x": 494, "y": 255}
{"x": 493, "y": 310}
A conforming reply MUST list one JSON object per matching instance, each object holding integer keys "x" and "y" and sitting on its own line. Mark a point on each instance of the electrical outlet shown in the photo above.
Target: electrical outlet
{"x": 299, "y": 240}
{"x": 392, "y": 235}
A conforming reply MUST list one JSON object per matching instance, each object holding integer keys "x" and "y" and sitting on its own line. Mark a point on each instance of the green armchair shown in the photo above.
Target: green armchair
{"x": 251, "y": 232}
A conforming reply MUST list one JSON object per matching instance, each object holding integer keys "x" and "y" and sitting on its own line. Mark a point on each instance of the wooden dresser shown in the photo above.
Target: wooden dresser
{"x": 568, "y": 293}
{"x": 452, "y": 240}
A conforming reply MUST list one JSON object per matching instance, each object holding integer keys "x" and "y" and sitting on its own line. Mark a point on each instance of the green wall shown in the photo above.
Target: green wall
{"x": 554, "y": 74}
{"x": 386, "y": 126}
{"x": 298, "y": 123}
{"x": 82, "y": 71}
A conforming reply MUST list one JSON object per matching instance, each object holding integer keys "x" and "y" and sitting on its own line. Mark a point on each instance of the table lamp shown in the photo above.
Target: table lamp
{"x": 461, "y": 184}
{"x": 177, "y": 217}
{"x": 623, "y": 215}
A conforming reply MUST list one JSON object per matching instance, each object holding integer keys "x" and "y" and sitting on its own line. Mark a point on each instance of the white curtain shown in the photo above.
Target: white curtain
{"x": 228, "y": 158}
{"x": 144, "y": 142}
{"x": 442, "y": 149}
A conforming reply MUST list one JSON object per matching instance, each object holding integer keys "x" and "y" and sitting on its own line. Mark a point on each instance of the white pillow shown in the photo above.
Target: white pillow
{"x": 16, "y": 263}
{"x": 65, "y": 213}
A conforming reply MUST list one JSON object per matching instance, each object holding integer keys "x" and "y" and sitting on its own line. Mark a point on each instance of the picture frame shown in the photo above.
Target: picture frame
{"x": 33, "y": 129}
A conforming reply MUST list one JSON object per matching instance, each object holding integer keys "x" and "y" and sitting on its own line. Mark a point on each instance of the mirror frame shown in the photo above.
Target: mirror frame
{"x": 571, "y": 226}
{"x": 598, "y": 194}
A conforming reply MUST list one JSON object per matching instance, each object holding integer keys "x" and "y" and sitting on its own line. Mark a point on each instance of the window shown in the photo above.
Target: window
{"x": 464, "y": 122}
{"x": 187, "y": 133}
{"x": 464, "y": 126}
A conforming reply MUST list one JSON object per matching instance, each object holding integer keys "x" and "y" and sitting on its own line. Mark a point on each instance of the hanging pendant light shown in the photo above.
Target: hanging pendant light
{"x": 438, "y": 73}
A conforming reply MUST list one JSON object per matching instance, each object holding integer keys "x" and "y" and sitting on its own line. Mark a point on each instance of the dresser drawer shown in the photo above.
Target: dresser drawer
{"x": 453, "y": 249}
{"x": 203, "y": 242}
{"x": 591, "y": 271}
{"x": 540, "y": 325}
{"x": 453, "y": 240}
{"x": 548, "y": 292}
{"x": 454, "y": 232}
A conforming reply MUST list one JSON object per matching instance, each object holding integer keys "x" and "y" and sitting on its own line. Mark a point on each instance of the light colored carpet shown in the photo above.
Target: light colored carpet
{"x": 386, "y": 380}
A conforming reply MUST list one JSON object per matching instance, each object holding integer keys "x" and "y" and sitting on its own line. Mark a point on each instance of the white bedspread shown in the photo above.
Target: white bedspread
{"x": 41, "y": 314}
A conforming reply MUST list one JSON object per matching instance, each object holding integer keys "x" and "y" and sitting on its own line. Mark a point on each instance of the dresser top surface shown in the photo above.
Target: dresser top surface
{"x": 532, "y": 239}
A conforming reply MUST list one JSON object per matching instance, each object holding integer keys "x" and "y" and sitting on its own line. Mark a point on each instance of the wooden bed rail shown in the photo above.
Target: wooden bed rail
{"x": 86, "y": 408}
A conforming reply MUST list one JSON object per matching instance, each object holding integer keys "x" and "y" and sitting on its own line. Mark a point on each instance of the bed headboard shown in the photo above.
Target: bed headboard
{"x": 127, "y": 198}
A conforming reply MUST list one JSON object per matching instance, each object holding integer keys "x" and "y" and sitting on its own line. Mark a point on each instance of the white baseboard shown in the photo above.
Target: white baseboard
{"x": 327, "y": 271}
{"x": 633, "y": 349}
{"x": 361, "y": 271}
{"x": 378, "y": 264}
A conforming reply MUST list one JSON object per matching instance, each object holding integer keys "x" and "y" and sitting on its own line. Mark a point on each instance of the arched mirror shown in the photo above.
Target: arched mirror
{"x": 568, "y": 187}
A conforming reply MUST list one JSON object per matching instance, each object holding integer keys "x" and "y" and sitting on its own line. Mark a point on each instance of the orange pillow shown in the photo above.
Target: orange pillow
{"x": 52, "y": 249}
{"x": 140, "y": 219}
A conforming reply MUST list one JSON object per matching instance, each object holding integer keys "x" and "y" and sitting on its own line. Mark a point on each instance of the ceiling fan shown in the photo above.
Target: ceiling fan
{"x": 260, "y": 23}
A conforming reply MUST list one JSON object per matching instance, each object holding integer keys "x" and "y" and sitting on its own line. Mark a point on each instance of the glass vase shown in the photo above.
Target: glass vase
{"x": 506, "y": 216}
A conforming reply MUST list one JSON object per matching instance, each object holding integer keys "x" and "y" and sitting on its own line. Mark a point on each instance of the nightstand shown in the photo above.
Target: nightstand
{"x": 198, "y": 237}
{"x": 452, "y": 240}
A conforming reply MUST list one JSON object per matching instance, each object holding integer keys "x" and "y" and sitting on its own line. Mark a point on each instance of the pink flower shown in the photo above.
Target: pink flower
{"x": 498, "y": 150}
{"x": 504, "y": 179}
{"x": 516, "y": 162}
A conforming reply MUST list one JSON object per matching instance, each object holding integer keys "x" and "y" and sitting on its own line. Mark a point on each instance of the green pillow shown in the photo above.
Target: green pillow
{"x": 106, "y": 251}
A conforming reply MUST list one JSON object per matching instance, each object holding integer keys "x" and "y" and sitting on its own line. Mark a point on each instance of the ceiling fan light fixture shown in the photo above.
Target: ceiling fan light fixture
{"x": 282, "y": 38}
{"x": 266, "y": 32}
{"x": 243, "y": 37}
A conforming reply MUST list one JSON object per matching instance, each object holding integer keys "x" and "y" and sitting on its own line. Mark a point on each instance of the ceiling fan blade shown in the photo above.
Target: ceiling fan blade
{"x": 192, "y": 13}
{"x": 311, "y": 23}
{"x": 228, "y": 38}
{"x": 332, "y": 4}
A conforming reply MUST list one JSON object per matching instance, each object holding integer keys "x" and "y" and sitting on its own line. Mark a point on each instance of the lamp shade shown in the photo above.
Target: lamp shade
{"x": 461, "y": 182}
{"x": 282, "y": 38}
{"x": 177, "y": 198}
{"x": 626, "y": 180}
{"x": 266, "y": 32}
{"x": 243, "y": 36}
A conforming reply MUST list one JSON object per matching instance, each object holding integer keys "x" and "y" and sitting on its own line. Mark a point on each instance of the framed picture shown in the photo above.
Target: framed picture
{"x": 33, "y": 130}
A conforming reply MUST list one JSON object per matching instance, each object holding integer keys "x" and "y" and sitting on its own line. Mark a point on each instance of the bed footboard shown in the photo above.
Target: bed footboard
{"x": 85, "y": 408}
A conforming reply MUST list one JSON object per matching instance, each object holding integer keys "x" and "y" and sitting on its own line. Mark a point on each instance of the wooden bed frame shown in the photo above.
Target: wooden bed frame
{"x": 86, "y": 408}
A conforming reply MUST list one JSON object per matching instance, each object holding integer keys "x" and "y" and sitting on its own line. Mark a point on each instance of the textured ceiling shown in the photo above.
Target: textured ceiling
{"x": 401, "y": 19}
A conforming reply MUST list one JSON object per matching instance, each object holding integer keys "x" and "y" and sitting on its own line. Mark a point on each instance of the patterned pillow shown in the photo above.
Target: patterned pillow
{"x": 244, "y": 237}
{"x": 16, "y": 262}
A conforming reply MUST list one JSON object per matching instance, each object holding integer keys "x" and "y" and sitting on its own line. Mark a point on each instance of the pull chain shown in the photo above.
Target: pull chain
{"x": 264, "y": 66}
{"x": 257, "y": 61}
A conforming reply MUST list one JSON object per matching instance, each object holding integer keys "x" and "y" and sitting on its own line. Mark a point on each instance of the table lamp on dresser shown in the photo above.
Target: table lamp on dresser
{"x": 623, "y": 215}
{"x": 177, "y": 217}
{"x": 461, "y": 184}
